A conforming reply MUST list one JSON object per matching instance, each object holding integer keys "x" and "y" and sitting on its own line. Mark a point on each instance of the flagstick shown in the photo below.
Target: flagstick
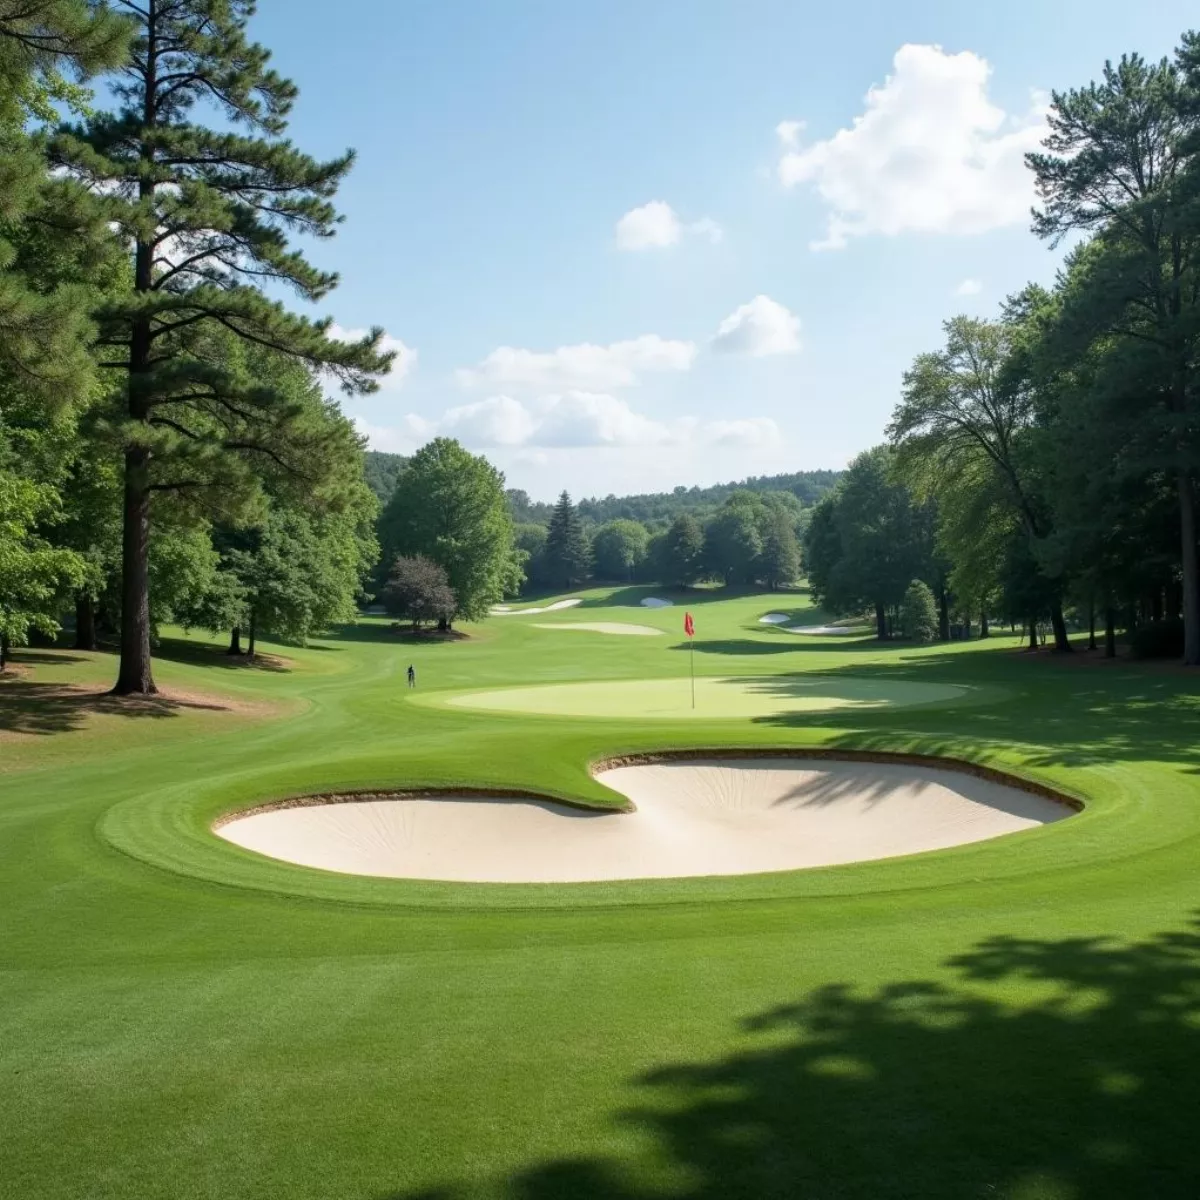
{"x": 692, "y": 660}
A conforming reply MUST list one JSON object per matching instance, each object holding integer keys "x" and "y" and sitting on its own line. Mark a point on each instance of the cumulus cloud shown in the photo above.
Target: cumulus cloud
{"x": 569, "y": 421}
{"x": 656, "y": 225}
{"x": 758, "y": 329}
{"x": 405, "y": 360}
{"x": 969, "y": 287}
{"x": 930, "y": 153}
{"x": 583, "y": 367}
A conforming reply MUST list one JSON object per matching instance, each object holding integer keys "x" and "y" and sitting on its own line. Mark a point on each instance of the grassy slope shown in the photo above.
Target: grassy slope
{"x": 179, "y": 1018}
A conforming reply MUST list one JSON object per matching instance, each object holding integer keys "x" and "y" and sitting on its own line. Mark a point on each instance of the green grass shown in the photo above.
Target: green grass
{"x": 180, "y": 1018}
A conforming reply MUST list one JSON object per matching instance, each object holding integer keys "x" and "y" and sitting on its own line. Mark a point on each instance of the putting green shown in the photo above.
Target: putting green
{"x": 720, "y": 697}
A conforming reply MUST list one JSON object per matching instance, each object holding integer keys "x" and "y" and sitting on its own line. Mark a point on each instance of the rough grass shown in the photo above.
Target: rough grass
{"x": 179, "y": 1018}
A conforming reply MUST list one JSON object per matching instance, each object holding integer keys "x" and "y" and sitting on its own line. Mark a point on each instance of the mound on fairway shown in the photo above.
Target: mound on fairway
{"x": 703, "y": 817}
{"x": 716, "y": 697}
{"x": 617, "y": 627}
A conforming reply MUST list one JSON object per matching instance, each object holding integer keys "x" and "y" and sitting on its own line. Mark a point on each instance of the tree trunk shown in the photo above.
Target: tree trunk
{"x": 235, "y": 640}
{"x": 4, "y": 650}
{"x": 880, "y": 622}
{"x": 250, "y": 643}
{"x": 1110, "y": 633}
{"x": 1062, "y": 643}
{"x": 1033, "y": 638}
{"x": 943, "y": 615}
{"x": 85, "y": 622}
{"x": 1091, "y": 624}
{"x": 984, "y": 631}
{"x": 134, "y": 677}
{"x": 1191, "y": 572}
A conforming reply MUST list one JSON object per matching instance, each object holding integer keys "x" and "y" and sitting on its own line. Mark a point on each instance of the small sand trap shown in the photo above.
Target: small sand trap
{"x": 656, "y": 602}
{"x": 616, "y": 627}
{"x": 506, "y": 610}
{"x": 774, "y": 619}
{"x": 702, "y": 817}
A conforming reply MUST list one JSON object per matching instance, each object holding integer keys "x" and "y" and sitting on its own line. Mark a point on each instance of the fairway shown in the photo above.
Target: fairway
{"x": 226, "y": 1024}
{"x": 717, "y": 698}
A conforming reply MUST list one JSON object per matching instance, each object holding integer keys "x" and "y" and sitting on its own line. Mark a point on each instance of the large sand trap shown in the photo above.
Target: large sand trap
{"x": 616, "y": 627}
{"x": 506, "y": 610}
{"x": 707, "y": 817}
{"x": 716, "y": 697}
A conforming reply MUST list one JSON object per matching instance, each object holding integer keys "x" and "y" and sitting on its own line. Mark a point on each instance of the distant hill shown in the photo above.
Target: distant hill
{"x": 656, "y": 509}
{"x": 653, "y": 509}
{"x": 381, "y": 471}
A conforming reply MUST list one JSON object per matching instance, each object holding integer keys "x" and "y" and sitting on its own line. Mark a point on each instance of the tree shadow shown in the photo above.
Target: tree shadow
{"x": 1076, "y": 718}
{"x": 210, "y": 654}
{"x": 49, "y": 708}
{"x": 1044, "y": 1070}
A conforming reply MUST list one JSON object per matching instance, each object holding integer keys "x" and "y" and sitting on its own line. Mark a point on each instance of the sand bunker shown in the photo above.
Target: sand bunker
{"x": 655, "y": 602}
{"x": 716, "y": 697}
{"x": 703, "y": 817}
{"x": 774, "y": 619}
{"x": 506, "y": 610}
{"x": 617, "y": 627}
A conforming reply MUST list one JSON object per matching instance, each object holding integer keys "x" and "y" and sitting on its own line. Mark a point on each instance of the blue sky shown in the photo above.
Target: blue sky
{"x": 770, "y": 281}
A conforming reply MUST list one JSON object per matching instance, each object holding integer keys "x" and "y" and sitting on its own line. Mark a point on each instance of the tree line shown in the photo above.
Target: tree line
{"x": 167, "y": 449}
{"x": 1041, "y": 465}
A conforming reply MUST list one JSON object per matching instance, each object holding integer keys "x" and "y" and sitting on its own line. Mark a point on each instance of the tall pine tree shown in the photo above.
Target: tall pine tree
{"x": 568, "y": 555}
{"x": 47, "y": 47}
{"x": 207, "y": 214}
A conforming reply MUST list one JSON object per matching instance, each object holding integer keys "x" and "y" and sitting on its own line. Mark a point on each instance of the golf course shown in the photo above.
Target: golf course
{"x": 183, "y": 1017}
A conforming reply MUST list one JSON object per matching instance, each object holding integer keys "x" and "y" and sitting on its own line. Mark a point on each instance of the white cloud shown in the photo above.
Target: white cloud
{"x": 651, "y": 226}
{"x": 759, "y": 328}
{"x": 583, "y": 367}
{"x": 789, "y": 132}
{"x": 405, "y": 360}
{"x": 969, "y": 287}
{"x": 568, "y": 421}
{"x": 496, "y": 421}
{"x": 931, "y": 153}
{"x": 656, "y": 225}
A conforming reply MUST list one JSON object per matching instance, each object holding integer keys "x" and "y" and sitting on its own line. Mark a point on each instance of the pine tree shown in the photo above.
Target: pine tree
{"x": 47, "y": 47}
{"x": 207, "y": 213}
{"x": 568, "y": 555}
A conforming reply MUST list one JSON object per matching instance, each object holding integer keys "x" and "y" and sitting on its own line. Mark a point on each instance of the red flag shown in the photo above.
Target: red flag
{"x": 689, "y": 626}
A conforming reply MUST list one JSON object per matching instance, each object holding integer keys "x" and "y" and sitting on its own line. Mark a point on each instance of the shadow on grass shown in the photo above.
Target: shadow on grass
{"x": 1045, "y": 1070}
{"x": 48, "y": 708}
{"x": 1061, "y": 714}
{"x": 210, "y": 654}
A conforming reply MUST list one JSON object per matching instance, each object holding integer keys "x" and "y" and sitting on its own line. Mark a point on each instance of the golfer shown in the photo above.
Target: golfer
{"x": 412, "y": 676}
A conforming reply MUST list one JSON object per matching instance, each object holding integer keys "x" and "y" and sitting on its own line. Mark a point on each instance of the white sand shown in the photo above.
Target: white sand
{"x": 504, "y": 610}
{"x": 707, "y": 817}
{"x": 656, "y": 602}
{"x": 774, "y": 619}
{"x": 602, "y": 627}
